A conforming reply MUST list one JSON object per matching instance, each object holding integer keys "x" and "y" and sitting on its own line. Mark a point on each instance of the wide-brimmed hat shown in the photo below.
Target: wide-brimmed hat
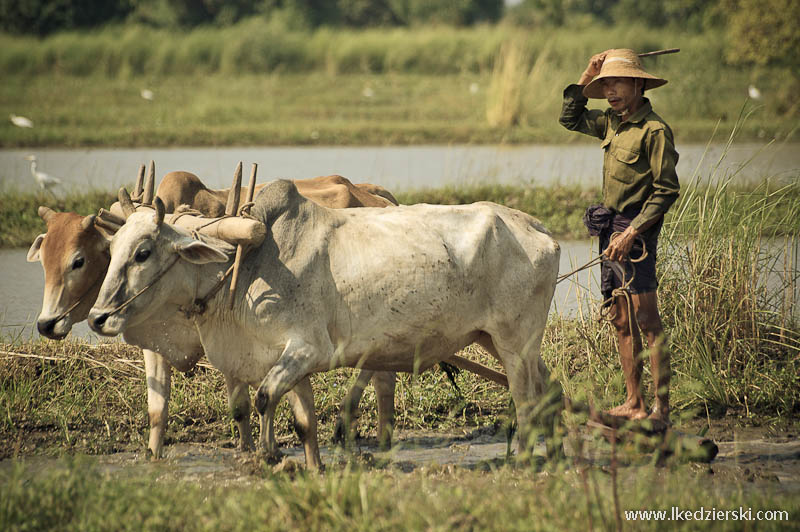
{"x": 621, "y": 63}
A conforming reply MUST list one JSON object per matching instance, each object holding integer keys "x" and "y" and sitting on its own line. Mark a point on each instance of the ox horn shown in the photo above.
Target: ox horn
{"x": 160, "y": 211}
{"x": 87, "y": 222}
{"x": 137, "y": 191}
{"x": 46, "y": 213}
{"x": 150, "y": 185}
{"x": 125, "y": 202}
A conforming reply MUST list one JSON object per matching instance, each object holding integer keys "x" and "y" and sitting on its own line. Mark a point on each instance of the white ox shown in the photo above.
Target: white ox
{"x": 384, "y": 289}
{"x": 75, "y": 257}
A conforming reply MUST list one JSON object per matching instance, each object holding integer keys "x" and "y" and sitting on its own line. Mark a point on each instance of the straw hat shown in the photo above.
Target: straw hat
{"x": 621, "y": 63}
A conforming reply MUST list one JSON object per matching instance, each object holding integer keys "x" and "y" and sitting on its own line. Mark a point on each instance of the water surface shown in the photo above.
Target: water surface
{"x": 394, "y": 167}
{"x": 22, "y": 287}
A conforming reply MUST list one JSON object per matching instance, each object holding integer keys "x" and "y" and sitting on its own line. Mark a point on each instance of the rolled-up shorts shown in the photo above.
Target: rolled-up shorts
{"x": 644, "y": 273}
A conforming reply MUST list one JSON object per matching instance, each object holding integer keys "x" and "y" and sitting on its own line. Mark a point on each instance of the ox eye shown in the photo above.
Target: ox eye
{"x": 78, "y": 263}
{"x": 142, "y": 255}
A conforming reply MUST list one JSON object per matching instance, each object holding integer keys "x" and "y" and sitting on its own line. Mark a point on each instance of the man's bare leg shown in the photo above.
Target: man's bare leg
{"x": 630, "y": 345}
{"x": 647, "y": 315}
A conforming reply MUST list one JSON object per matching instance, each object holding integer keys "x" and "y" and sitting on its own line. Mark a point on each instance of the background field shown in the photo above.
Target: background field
{"x": 256, "y": 84}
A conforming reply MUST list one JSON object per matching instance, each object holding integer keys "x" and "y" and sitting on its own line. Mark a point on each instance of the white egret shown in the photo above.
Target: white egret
{"x": 21, "y": 121}
{"x": 753, "y": 92}
{"x": 147, "y": 94}
{"x": 44, "y": 180}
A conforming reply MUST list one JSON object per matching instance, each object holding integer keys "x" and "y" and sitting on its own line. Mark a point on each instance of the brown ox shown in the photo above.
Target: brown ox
{"x": 75, "y": 258}
{"x": 333, "y": 191}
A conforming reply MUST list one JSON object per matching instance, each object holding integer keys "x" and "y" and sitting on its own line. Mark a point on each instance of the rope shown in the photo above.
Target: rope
{"x": 623, "y": 290}
{"x": 79, "y": 300}
{"x": 152, "y": 283}
{"x": 200, "y": 305}
{"x": 602, "y": 258}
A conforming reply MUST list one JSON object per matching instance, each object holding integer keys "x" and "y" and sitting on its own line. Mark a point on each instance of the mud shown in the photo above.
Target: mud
{"x": 753, "y": 457}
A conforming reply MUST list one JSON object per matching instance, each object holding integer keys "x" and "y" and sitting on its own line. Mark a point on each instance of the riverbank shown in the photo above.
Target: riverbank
{"x": 254, "y": 86}
{"x": 559, "y": 207}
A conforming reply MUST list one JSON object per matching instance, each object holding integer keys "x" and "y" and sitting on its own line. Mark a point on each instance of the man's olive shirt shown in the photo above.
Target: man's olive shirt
{"x": 639, "y": 160}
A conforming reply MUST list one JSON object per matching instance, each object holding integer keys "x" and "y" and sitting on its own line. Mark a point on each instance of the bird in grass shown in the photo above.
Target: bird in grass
{"x": 44, "y": 180}
{"x": 21, "y": 121}
{"x": 147, "y": 94}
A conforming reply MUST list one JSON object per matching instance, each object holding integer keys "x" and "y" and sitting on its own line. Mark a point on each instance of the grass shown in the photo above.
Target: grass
{"x": 76, "y": 497}
{"x": 559, "y": 207}
{"x": 256, "y": 85}
{"x": 728, "y": 268}
{"x": 52, "y": 391}
{"x": 734, "y": 340}
{"x": 19, "y": 212}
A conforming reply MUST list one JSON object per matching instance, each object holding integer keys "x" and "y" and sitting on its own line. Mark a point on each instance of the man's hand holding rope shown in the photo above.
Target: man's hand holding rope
{"x": 619, "y": 247}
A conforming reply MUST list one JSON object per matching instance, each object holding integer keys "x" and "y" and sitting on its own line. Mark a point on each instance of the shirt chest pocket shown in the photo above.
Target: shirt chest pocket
{"x": 622, "y": 162}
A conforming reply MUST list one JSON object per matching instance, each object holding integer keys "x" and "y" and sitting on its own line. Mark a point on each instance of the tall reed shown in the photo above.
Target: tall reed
{"x": 728, "y": 289}
{"x": 504, "y": 97}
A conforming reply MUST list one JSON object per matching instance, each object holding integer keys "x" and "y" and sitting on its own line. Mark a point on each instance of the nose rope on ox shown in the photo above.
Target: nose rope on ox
{"x": 78, "y": 301}
{"x": 152, "y": 283}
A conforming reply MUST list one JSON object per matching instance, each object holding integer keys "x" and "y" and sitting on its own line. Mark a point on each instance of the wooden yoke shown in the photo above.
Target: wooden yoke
{"x": 233, "y": 203}
{"x": 142, "y": 194}
{"x": 235, "y": 192}
{"x": 230, "y": 228}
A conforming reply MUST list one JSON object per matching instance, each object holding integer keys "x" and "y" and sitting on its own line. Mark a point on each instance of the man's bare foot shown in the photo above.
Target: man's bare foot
{"x": 629, "y": 411}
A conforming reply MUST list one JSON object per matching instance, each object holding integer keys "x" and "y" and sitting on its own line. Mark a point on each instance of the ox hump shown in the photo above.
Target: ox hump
{"x": 277, "y": 198}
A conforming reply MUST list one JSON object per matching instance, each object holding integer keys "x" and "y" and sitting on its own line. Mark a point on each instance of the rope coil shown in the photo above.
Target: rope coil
{"x": 621, "y": 291}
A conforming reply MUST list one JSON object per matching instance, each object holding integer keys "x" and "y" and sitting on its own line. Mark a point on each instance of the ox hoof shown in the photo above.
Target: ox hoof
{"x": 273, "y": 457}
{"x": 262, "y": 398}
{"x": 339, "y": 433}
{"x": 153, "y": 456}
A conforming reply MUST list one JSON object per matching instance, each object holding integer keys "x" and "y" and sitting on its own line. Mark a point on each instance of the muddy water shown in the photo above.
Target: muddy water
{"x": 752, "y": 458}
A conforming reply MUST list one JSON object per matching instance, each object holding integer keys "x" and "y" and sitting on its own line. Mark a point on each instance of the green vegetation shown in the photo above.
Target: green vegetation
{"x": 559, "y": 207}
{"x": 734, "y": 337}
{"x": 19, "y": 216}
{"x": 80, "y": 498}
{"x": 259, "y": 83}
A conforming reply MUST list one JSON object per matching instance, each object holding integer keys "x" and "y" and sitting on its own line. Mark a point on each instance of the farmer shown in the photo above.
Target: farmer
{"x": 639, "y": 186}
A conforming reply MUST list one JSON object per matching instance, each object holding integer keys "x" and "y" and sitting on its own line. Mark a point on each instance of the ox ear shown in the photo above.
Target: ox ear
{"x": 33, "y": 253}
{"x": 198, "y": 252}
